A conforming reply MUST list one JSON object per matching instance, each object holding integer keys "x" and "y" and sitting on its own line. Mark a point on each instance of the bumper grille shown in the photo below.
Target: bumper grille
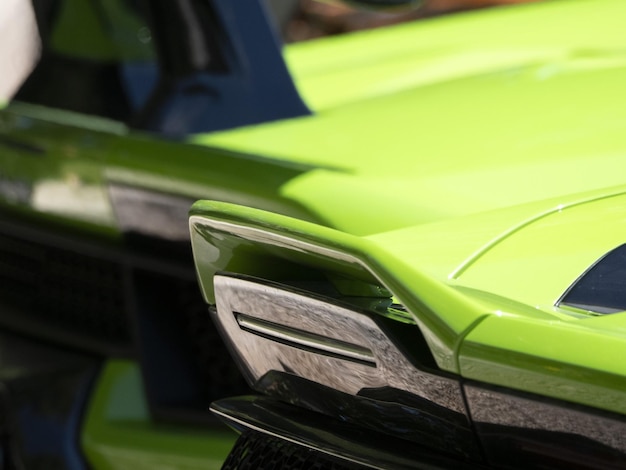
{"x": 255, "y": 451}
{"x": 57, "y": 288}
{"x": 218, "y": 375}
{"x": 119, "y": 301}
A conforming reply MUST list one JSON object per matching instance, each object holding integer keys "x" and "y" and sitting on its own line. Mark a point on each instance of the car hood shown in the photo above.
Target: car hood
{"x": 529, "y": 254}
{"x": 474, "y": 158}
{"x": 445, "y": 118}
{"x": 517, "y": 263}
{"x": 478, "y": 334}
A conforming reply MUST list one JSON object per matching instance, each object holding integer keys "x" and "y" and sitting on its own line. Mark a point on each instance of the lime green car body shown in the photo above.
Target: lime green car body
{"x": 472, "y": 165}
{"x": 485, "y": 156}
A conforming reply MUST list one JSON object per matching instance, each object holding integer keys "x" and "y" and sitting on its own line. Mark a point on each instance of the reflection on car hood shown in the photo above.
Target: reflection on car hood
{"x": 334, "y": 71}
{"x": 445, "y": 118}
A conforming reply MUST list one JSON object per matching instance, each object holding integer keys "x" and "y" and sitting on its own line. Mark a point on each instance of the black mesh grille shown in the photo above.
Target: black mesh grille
{"x": 185, "y": 363}
{"x": 65, "y": 290}
{"x": 87, "y": 299}
{"x": 219, "y": 377}
{"x": 255, "y": 451}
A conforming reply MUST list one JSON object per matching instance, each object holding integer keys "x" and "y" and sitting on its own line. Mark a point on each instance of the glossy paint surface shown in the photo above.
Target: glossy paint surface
{"x": 521, "y": 431}
{"x": 65, "y": 166}
{"x": 119, "y": 433}
{"x": 232, "y": 238}
{"x": 474, "y": 333}
{"x": 573, "y": 361}
{"x": 376, "y": 155}
{"x": 52, "y": 164}
{"x": 484, "y": 115}
{"x": 565, "y": 243}
{"x": 558, "y": 352}
{"x": 437, "y": 154}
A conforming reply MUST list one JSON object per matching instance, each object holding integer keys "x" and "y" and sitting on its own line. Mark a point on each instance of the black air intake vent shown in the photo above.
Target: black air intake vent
{"x": 218, "y": 375}
{"x": 52, "y": 289}
{"x": 185, "y": 363}
{"x": 255, "y": 451}
{"x": 136, "y": 300}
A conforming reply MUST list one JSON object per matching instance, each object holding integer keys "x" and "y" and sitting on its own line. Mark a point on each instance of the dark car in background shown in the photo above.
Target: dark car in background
{"x": 108, "y": 357}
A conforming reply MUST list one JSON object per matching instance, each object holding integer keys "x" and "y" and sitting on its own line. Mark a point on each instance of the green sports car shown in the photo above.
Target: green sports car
{"x": 411, "y": 239}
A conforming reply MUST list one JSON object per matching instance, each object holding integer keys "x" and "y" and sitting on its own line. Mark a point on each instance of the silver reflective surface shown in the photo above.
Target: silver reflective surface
{"x": 273, "y": 328}
{"x": 150, "y": 213}
{"x": 305, "y": 340}
{"x": 493, "y": 407}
